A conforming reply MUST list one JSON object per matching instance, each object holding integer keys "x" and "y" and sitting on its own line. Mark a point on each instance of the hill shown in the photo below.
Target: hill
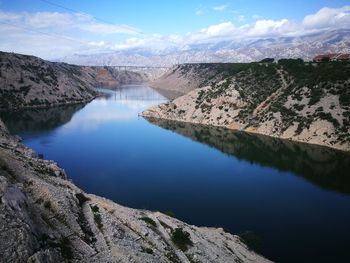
{"x": 29, "y": 82}
{"x": 290, "y": 99}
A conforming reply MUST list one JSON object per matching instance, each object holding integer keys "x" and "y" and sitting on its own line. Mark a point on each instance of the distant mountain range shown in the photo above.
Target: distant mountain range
{"x": 306, "y": 47}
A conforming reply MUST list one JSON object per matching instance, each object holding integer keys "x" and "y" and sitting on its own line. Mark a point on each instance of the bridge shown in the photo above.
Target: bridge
{"x": 131, "y": 68}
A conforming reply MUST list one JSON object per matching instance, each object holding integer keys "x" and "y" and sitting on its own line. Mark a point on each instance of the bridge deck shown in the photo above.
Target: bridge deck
{"x": 138, "y": 67}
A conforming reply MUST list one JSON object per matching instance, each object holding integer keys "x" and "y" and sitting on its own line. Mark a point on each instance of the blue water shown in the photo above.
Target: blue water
{"x": 294, "y": 197}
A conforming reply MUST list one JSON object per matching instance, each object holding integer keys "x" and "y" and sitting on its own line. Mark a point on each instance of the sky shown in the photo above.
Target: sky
{"x": 51, "y": 29}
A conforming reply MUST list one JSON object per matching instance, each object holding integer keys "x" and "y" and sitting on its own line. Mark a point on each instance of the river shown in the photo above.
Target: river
{"x": 294, "y": 198}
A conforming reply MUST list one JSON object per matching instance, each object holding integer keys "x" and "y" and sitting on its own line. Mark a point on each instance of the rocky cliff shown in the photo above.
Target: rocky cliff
{"x": 44, "y": 217}
{"x": 28, "y": 82}
{"x": 290, "y": 99}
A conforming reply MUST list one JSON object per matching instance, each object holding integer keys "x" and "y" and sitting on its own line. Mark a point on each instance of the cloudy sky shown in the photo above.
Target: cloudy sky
{"x": 51, "y": 29}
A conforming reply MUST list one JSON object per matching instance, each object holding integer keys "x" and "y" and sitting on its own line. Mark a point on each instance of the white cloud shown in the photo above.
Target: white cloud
{"x": 52, "y": 34}
{"x": 219, "y": 29}
{"x": 53, "y": 20}
{"x": 91, "y": 36}
{"x": 270, "y": 28}
{"x": 256, "y": 17}
{"x": 201, "y": 10}
{"x": 107, "y": 29}
{"x": 220, "y": 7}
{"x": 328, "y": 18}
{"x": 97, "y": 44}
{"x": 48, "y": 19}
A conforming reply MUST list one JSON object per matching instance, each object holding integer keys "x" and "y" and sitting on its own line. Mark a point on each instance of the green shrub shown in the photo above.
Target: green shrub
{"x": 47, "y": 204}
{"x": 181, "y": 239}
{"x": 66, "y": 249}
{"x": 147, "y": 250}
{"x": 149, "y": 221}
{"x": 169, "y": 213}
{"x": 267, "y": 60}
{"x": 95, "y": 209}
{"x": 97, "y": 216}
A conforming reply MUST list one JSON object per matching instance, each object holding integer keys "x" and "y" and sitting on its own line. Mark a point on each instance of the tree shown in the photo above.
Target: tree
{"x": 267, "y": 60}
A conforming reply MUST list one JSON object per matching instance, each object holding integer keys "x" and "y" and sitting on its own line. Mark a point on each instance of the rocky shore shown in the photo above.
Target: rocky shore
{"x": 45, "y": 218}
{"x": 31, "y": 82}
{"x": 291, "y": 99}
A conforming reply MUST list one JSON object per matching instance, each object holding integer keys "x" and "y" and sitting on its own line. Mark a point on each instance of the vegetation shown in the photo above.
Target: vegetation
{"x": 97, "y": 217}
{"x": 170, "y": 213}
{"x": 66, "y": 249}
{"x": 47, "y": 204}
{"x": 165, "y": 225}
{"x": 81, "y": 198}
{"x": 286, "y": 93}
{"x": 267, "y": 60}
{"x": 149, "y": 221}
{"x": 181, "y": 239}
{"x": 147, "y": 250}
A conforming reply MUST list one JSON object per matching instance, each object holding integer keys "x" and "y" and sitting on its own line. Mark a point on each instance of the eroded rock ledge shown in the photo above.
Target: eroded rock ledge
{"x": 45, "y": 218}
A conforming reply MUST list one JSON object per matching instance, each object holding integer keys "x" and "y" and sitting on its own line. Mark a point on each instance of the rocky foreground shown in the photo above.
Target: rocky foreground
{"x": 31, "y": 82}
{"x": 44, "y": 217}
{"x": 291, "y": 99}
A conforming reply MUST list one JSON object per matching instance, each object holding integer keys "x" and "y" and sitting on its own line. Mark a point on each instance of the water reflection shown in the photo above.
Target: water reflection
{"x": 258, "y": 185}
{"x": 322, "y": 166}
{"x": 129, "y": 101}
{"x": 38, "y": 122}
{"x": 133, "y": 93}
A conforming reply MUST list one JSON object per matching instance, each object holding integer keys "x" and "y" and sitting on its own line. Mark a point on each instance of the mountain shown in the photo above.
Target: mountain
{"x": 305, "y": 47}
{"x": 28, "y": 81}
{"x": 292, "y": 99}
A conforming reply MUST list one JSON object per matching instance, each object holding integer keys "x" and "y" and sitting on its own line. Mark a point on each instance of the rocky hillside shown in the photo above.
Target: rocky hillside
{"x": 110, "y": 77}
{"x": 290, "y": 99}
{"x": 27, "y": 81}
{"x": 183, "y": 78}
{"x": 45, "y": 218}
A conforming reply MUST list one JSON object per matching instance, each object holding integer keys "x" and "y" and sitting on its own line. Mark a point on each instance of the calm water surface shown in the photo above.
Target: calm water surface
{"x": 295, "y": 197}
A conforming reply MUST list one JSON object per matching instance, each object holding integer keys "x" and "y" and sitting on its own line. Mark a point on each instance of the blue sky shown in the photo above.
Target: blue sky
{"x": 178, "y": 17}
{"x": 157, "y": 24}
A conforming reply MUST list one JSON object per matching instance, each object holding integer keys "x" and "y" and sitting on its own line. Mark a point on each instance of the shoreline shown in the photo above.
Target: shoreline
{"x": 50, "y": 106}
{"x": 248, "y": 132}
{"x": 57, "y": 221}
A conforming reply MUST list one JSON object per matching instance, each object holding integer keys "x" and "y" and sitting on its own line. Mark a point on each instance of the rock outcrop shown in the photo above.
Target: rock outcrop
{"x": 30, "y": 82}
{"x": 44, "y": 217}
{"x": 305, "y": 102}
